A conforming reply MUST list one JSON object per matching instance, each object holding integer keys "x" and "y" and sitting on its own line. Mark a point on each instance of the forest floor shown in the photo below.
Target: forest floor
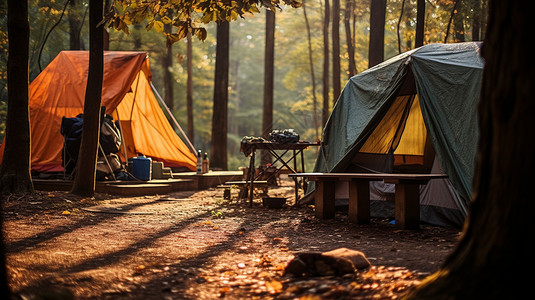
{"x": 195, "y": 245}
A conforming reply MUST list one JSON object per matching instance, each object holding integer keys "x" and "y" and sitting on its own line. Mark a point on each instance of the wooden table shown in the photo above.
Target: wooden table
{"x": 250, "y": 148}
{"x": 407, "y": 195}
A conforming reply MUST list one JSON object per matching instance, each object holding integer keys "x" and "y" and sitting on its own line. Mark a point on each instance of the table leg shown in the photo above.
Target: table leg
{"x": 359, "y": 201}
{"x": 296, "y": 180}
{"x": 408, "y": 205}
{"x": 324, "y": 199}
{"x": 251, "y": 178}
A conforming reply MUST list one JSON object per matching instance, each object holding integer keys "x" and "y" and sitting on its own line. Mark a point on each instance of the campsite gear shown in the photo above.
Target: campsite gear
{"x": 420, "y": 107}
{"x": 127, "y": 95}
{"x": 205, "y": 163}
{"x": 285, "y": 136}
{"x": 199, "y": 162}
{"x": 142, "y": 167}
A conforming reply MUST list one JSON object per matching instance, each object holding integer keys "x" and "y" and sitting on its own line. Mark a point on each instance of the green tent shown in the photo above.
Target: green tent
{"x": 417, "y": 113}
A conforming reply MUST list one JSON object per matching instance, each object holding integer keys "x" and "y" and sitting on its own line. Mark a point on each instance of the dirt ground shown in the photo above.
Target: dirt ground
{"x": 196, "y": 245}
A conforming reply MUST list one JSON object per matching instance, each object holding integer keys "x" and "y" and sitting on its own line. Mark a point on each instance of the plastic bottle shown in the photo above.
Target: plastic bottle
{"x": 199, "y": 162}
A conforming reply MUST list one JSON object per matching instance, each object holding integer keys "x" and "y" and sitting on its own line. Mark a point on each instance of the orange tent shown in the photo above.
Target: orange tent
{"x": 59, "y": 91}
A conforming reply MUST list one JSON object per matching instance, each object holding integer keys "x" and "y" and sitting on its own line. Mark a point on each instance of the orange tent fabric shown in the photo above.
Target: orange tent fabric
{"x": 59, "y": 91}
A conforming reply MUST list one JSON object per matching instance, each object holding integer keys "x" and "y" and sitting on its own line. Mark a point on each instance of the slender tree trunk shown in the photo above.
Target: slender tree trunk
{"x": 376, "y": 51}
{"x": 493, "y": 255}
{"x": 218, "y": 147}
{"x": 476, "y": 20}
{"x": 84, "y": 180}
{"x": 325, "y": 79}
{"x": 452, "y": 14}
{"x": 399, "y": 25}
{"x": 269, "y": 69}
{"x": 189, "y": 89}
{"x": 74, "y": 25}
{"x": 105, "y": 34}
{"x": 420, "y": 23}
{"x": 167, "y": 63}
{"x": 312, "y": 74}
{"x": 351, "y": 66}
{"x": 15, "y": 170}
{"x": 336, "y": 50}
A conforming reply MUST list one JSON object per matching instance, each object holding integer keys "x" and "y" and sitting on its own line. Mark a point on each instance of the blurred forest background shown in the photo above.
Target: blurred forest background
{"x": 53, "y": 22}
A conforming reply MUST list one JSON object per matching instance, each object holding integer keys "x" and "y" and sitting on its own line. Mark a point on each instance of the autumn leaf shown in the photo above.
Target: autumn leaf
{"x": 274, "y": 286}
{"x": 158, "y": 26}
{"x": 66, "y": 212}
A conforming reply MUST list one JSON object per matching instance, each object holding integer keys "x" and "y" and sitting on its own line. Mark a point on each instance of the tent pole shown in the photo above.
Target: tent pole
{"x": 123, "y": 142}
{"x": 174, "y": 120}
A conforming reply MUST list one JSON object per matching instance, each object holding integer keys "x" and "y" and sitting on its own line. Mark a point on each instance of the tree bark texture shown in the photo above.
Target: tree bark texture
{"x": 84, "y": 180}
{"x": 312, "y": 74}
{"x": 376, "y": 51}
{"x": 218, "y": 147}
{"x": 336, "y": 50}
{"x": 351, "y": 65}
{"x": 269, "y": 73}
{"x": 494, "y": 252}
{"x": 189, "y": 89}
{"x": 15, "y": 170}
{"x": 325, "y": 79}
{"x": 167, "y": 75}
{"x": 420, "y": 23}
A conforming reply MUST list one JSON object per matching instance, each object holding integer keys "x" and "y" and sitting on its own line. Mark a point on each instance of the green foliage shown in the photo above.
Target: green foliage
{"x": 187, "y": 16}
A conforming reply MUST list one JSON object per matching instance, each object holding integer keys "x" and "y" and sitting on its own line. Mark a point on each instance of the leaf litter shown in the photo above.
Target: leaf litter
{"x": 196, "y": 245}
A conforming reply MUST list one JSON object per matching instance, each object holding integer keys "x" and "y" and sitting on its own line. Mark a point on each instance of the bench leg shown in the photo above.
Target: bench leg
{"x": 359, "y": 202}
{"x": 324, "y": 199}
{"x": 408, "y": 206}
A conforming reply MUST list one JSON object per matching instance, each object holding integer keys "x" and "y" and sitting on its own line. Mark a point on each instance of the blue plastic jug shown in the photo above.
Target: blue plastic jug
{"x": 142, "y": 167}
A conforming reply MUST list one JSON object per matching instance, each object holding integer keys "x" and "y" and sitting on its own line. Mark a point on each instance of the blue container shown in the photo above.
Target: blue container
{"x": 142, "y": 167}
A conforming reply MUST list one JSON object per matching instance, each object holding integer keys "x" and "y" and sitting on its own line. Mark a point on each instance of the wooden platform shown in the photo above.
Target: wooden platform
{"x": 210, "y": 179}
{"x": 185, "y": 181}
{"x": 126, "y": 188}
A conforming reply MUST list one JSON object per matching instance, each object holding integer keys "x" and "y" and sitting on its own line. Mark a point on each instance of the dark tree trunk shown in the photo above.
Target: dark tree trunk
{"x": 476, "y": 20}
{"x": 84, "y": 180}
{"x": 189, "y": 89}
{"x": 269, "y": 69}
{"x": 15, "y": 170}
{"x": 420, "y": 23}
{"x": 325, "y": 79}
{"x": 376, "y": 51}
{"x": 74, "y": 25}
{"x": 218, "y": 147}
{"x": 336, "y": 50}
{"x": 351, "y": 66}
{"x": 167, "y": 63}
{"x": 494, "y": 252}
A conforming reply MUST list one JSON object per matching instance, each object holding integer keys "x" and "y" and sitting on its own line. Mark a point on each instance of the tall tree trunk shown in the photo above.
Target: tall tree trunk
{"x": 336, "y": 50}
{"x": 476, "y": 20}
{"x": 269, "y": 69}
{"x": 15, "y": 170}
{"x": 189, "y": 89}
{"x": 84, "y": 180}
{"x": 167, "y": 63}
{"x": 312, "y": 74}
{"x": 399, "y": 25}
{"x": 74, "y": 25}
{"x": 351, "y": 66}
{"x": 105, "y": 34}
{"x": 325, "y": 78}
{"x": 493, "y": 255}
{"x": 452, "y": 15}
{"x": 376, "y": 50}
{"x": 420, "y": 23}
{"x": 218, "y": 147}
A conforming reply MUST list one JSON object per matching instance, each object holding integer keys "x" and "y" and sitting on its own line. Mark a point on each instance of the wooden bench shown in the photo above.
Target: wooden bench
{"x": 244, "y": 187}
{"x": 407, "y": 195}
